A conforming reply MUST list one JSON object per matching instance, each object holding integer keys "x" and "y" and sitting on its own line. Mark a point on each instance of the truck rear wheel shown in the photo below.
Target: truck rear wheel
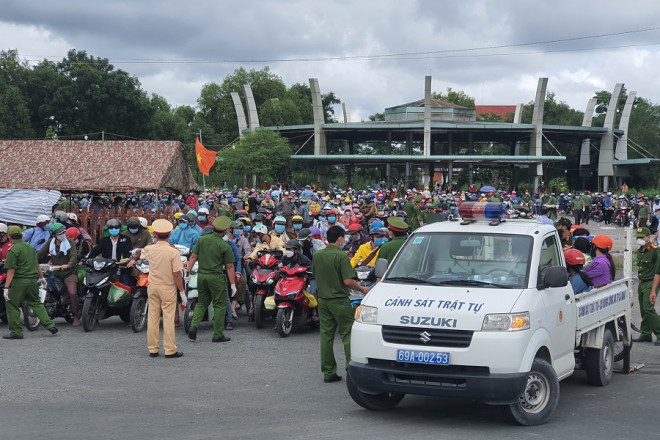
{"x": 599, "y": 363}
{"x": 374, "y": 402}
{"x": 540, "y": 396}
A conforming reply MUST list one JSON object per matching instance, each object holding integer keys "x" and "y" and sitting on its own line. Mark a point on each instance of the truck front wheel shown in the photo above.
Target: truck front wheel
{"x": 540, "y": 396}
{"x": 374, "y": 402}
{"x": 599, "y": 363}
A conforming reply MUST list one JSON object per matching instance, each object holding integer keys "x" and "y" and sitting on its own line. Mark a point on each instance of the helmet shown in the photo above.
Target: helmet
{"x": 297, "y": 218}
{"x": 355, "y": 227}
{"x": 113, "y": 223}
{"x": 60, "y": 216}
{"x": 72, "y": 216}
{"x": 245, "y": 220}
{"x": 602, "y": 242}
{"x": 177, "y": 215}
{"x": 3, "y": 228}
{"x": 304, "y": 234}
{"x": 236, "y": 224}
{"x": 279, "y": 219}
{"x": 314, "y": 230}
{"x": 133, "y": 222}
{"x": 259, "y": 218}
{"x": 293, "y": 244}
{"x": 203, "y": 210}
{"x": 72, "y": 233}
{"x": 574, "y": 257}
{"x": 43, "y": 219}
{"x": 260, "y": 229}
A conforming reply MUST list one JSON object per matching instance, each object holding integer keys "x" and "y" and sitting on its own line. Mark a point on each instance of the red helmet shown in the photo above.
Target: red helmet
{"x": 602, "y": 242}
{"x": 573, "y": 257}
{"x": 72, "y": 233}
{"x": 355, "y": 227}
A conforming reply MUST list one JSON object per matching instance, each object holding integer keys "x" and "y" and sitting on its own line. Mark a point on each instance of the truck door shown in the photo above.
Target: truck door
{"x": 560, "y": 310}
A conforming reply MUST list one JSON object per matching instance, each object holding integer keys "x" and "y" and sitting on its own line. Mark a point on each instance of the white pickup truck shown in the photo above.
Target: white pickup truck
{"x": 483, "y": 310}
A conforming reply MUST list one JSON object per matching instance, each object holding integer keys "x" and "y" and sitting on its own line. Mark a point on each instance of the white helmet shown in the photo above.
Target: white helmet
{"x": 203, "y": 210}
{"x": 260, "y": 229}
{"x": 72, "y": 216}
{"x": 3, "y": 228}
{"x": 143, "y": 222}
{"x": 43, "y": 219}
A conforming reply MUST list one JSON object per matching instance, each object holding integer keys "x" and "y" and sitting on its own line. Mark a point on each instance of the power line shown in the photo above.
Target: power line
{"x": 397, "y": 56}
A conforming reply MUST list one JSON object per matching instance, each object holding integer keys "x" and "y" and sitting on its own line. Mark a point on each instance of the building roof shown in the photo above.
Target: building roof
{"x": 435, "y": 103}
{"x": 95, "y": 165}
{"x": 500, "y": 110}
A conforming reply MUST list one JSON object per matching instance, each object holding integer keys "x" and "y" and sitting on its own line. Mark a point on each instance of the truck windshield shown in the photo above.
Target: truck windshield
{"x": 488, "y": 260}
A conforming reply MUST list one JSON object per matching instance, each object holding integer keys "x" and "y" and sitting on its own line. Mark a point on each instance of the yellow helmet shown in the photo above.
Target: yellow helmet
{"x": 297, "y": 217}
{"x": 177, "y": 215}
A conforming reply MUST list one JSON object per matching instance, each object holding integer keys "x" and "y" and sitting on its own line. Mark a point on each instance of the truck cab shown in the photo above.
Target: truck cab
{"x": 475, "y": 309}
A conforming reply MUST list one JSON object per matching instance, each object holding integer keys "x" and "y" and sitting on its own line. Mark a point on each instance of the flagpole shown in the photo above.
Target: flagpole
{"x": 203, "y": 176}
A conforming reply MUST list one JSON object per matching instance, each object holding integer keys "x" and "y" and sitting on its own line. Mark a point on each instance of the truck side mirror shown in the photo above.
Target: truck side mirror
{"x": 555, "y": 276}
{"x": 381, "y": 267}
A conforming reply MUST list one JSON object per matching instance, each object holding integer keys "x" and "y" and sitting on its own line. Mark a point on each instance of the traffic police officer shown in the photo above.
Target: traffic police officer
{"x": 649, "y": 279}
{"x": 213, "y": 253}
{"x": 389, "y": 249}
{"x": 20, "y": 285}
{"x": 164, "y": 281}
{"x": 334, "y": 276}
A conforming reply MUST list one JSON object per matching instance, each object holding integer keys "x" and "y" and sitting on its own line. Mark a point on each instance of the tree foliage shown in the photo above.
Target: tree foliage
{"x": 455, "y": 97}
{"x": 263, "y": 153}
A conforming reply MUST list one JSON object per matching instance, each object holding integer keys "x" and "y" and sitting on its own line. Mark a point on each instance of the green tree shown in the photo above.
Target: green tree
{"x": 455, "y": 97}
{"x": 263, "y": 153}
{"x": 15, "y": 119}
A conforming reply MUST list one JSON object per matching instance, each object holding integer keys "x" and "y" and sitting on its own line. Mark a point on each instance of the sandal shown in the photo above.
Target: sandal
{"x": 229, "y": 326}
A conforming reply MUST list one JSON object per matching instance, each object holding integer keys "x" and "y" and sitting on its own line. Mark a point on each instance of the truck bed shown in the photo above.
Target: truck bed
{"x": 601, "y": 305}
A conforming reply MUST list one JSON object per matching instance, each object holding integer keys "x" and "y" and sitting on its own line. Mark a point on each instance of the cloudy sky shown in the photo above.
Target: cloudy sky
{"x": 372, "y": 54}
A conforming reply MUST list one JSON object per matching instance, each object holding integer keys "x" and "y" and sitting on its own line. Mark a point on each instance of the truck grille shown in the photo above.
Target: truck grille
{"x": 427, "y": 337}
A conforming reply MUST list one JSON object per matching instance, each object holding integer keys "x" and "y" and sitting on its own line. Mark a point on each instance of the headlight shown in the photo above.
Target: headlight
{"x": 98, "y": 265}
{"x": 103, "y": 280}
{"x": 506, "y": 322}
{"x": 270, "y": 281}
{"x": 363, "y": 275}
{"x": 254, "y": 280}
{"x": 366, "y": 314}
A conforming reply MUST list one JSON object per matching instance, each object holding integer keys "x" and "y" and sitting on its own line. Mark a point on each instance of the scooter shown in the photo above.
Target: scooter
{"x": 140, "y": 304}
{"x": 55, "y": 299}
{"x": 97, "y": 281}
{"x": 365, "y": 277}
{"x": 293, "y": 303}
{"x": 264, "y": 277}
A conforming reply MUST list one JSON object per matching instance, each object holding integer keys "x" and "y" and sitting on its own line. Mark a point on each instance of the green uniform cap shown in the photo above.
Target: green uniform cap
{"x": 221, "y": 223}
{"x": 642, "y": 232}
{"x": 396, "y": 223}
{"x": 15, "y": 231}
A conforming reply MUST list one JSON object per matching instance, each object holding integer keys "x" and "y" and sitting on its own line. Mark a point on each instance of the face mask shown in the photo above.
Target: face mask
{"x": 641, "y": 241}
{"x": 279, "y": 228}
{"x": 61, "y": 238}
{"x": 297, "y": 226}
{"x": 288, "y": 254}
{"x": 223, "y": 202}
{"x": 332, "y": 219}
{"x": 321, "y": 218}
{"x": 356, "y": 210}
{"x": 133, "y": 230}
{"x": 380, "y": 240}
{"x": 183, "y": 225}
{"x": 113, "y": 232}
{"x": 248, "y": 228}
{"x": 201, "y": 218}
{"x": 238, "y": 233}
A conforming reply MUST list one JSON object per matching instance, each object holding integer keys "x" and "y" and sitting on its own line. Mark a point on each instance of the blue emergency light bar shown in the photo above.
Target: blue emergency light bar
{"x": 474, "y": 211}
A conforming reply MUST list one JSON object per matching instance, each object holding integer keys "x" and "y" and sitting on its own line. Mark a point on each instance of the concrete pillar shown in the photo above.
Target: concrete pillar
{"x": 536, "y": 141}
{"x": 347, "y": 112}
{"x": 471, "y": 166}
{"x": 585, "y": 148}
{"x": 517, "y": 119}
{"x": 317, "y": 107}
{"x": 253, "y": 117}
{"x": 240, "y": 113}
{"x": 621, "y": 152}
{"x": 606, "y": 155}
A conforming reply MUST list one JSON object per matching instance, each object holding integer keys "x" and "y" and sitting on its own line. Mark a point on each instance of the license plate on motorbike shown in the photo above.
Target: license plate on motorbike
{"x": 422, "y": 357}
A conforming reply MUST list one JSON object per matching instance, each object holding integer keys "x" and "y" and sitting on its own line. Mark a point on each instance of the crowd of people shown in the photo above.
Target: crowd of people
{"x": 227, "y": 228}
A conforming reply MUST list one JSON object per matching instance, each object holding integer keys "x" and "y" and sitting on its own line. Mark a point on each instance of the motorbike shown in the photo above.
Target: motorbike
{"x": 55, "y": 299}
{"x": 263, "y": 280}
{"x": 98, "y": 284}
{"x": 366, "y": 276}
{"x": 294, "y": 304}
{"x": 596, "y": 213}
{"x": 140, "y": 304}
{"x": 622, "y": 217}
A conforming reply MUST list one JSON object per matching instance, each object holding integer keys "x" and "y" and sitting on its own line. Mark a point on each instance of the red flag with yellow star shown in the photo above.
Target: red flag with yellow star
{"x": 205, "y": 158}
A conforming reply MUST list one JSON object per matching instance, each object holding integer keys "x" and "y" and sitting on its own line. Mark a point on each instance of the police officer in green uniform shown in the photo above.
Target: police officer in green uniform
{"x": 577, "y": 206}
{"x": 412, "y": 213}
{"x": 213, "y": 253}
{"x": 389, "y": 249}
{"x": 334, "y": 276}
{"x": 649, "y": 278}
{"x": 586, "y": 203}
{"x": 644, "y": 214}
{"x": 21, "y": 285}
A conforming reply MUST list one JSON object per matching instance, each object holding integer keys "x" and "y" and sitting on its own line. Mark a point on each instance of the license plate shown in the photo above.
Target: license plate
{"x": 422, "y": 357}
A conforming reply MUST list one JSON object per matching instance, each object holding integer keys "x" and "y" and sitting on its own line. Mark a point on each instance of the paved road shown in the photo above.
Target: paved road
{"x": 102, "y": 385}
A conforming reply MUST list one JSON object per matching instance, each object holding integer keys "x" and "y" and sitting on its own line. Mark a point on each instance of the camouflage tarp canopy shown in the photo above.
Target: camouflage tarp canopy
{"x": 105, "y": 166}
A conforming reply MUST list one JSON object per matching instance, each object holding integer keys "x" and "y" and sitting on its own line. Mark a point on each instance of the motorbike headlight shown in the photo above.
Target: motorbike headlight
{"x": 270, "y": 281}
{"x": 254, "y": 280}
{"x": 505, "y": 322}
{"x": 99, "y": 265}
{"x": 362, "y": 275}
{"x": 366, "y": 314}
